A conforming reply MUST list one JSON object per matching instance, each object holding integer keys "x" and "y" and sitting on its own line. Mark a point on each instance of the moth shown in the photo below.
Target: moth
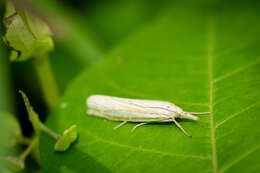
{"x": 137, "y": 110}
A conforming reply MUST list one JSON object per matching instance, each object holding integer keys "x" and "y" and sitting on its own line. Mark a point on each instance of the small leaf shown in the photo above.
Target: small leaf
{"x": 12, "y": 129}
{"x": 33, "y": 116}
{"x": 14, "y": 163}
{"x": 68, "y": 137}
{"x": 27, "y": 36}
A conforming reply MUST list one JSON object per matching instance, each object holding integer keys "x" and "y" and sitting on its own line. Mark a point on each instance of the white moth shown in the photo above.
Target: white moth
{"x": 137, "y": 110}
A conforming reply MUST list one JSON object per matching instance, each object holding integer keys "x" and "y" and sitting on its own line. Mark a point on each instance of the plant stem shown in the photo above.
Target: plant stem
{"x": 47, "y": 82}
{"x": 29, "y": 148}
{"x": 49, "y": 131}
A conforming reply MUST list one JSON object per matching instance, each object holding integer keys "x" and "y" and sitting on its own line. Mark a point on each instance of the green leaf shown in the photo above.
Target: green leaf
{"x": 71, "y": 27}
{"x": 33, "y": 116}
{"x": 26, "y": 38}
{"x": 68, "y": 137}
{"x": 11, "y": 126}
{"x": 6, "y": 98}
{"x": 202, "y": 59}
{"x": 5, "y": 87}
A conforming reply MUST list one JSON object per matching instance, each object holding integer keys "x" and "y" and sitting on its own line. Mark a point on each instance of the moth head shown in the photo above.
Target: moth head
{"x": 186, "y": 115}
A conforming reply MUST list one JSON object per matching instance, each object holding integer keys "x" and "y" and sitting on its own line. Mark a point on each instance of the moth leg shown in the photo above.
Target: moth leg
{"x": 197, "y": 113}
{"x": 138, "y": 125}
{"x": 119, "y": 125}
{"x": 180, "y": 127}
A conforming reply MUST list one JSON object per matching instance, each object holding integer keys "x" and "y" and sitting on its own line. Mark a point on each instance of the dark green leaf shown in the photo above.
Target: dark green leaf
{"x": 5, "y": 84}
{"x": 112, "y": 21}
{"x": 202, "y": 59}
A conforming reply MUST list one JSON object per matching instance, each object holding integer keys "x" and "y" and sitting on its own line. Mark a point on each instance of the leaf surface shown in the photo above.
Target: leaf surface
{"x": 202, "y": 59}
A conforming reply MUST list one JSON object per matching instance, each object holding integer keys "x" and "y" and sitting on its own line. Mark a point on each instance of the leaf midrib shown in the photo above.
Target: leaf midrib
{"x": 211, "y": 40}
{"x": 212, "y": 81}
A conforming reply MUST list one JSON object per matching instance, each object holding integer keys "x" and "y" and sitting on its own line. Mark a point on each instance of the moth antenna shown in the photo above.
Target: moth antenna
{"x": 180, "y": 127}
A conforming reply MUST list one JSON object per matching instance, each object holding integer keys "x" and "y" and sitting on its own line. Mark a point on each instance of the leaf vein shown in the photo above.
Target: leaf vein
{"x": 243, "y": 156}
{"x": 236, "y": 71}
{"x": 237, "y": 113}
{"x": 145, "y": 149}
{"x": 211, "y": 105}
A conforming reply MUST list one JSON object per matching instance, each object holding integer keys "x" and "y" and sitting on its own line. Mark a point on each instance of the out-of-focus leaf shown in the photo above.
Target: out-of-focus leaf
{"x": 112, "y": 21}
{"x": 10, "y": 133}
{"x": 12, "y": 129}
{"x": 5, "y": 84}
{"x": 14, "y": 163}
{"x": 26, "y": 38}
{"x": 202, "y": 59}
{"x": 72, "y": 30}
{"x": 74, "y": 44}
{"x": 62, "y": 74}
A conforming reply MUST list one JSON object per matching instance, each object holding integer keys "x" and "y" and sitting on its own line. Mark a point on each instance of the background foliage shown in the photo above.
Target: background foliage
{"x": 201, "y": 55}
